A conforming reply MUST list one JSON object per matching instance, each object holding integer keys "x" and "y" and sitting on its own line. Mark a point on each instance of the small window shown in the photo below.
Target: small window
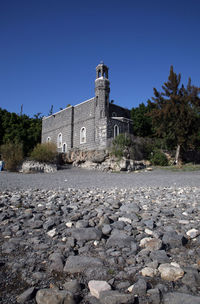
{"x": 59, "y": 140}
{"x": 64, "y": 148}
{"x": 48, "y": 139}
{"x": 114, "y": 114}
{"x": 116, "y": 131}
{"x": 83, "y": 135}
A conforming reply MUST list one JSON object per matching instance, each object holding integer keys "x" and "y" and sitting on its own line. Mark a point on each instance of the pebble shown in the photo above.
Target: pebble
{"x": 192, "y": 233}
{"x": 96, "y": 287}
{"x": 114, "y": 239}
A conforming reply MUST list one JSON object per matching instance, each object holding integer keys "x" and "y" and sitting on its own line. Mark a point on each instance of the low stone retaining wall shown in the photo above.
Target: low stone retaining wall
{"x": 30, "y": 166}
{"x": 103, "y": 161}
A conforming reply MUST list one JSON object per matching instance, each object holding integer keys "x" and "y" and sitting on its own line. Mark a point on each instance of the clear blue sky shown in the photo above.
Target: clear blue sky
{"x": 49, "y": 49}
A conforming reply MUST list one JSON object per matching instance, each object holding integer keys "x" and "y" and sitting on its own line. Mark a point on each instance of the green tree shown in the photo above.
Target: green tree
{"x": 21, "y": 129}
{"x": 175, "y": 113}
{"x": 142, "y": 123}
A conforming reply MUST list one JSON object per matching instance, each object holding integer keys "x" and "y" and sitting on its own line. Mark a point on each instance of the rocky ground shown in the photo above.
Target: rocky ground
{"x": 100, "y": 246}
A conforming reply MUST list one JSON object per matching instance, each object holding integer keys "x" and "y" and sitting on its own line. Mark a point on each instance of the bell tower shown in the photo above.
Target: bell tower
{"x": 102, "y": 90}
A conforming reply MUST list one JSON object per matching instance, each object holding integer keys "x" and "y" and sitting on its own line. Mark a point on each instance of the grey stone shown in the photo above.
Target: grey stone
{"x": 140, "y": 288}
{"x": 130, "y": 208}
{"x": 106, "y": 229}
{"x": 96, "y": 273}
{"x": 160, "y": 256}
{"x": 76, "y": 264}
{"x": 172, "y": 239}
{"x": 114, "y": 297}
{"x": 37, "y": 224}
{"x": 180, "y": 298}
{"x": 119, "y": 239}
{"x": 191, "y": 277}
{"x": 86, "y": 234}
{"x": 82, "y": 224}
{"x": 73, "y": 286}
{"x": 54, "y": 296}
{"x": 154, "y": 296}
{"x": 26, "y": 295}
{"x": 49, "y": 224}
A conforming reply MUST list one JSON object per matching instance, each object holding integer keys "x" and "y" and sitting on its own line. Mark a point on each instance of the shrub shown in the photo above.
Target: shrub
{"x": 121, "y": 146}
{"x": 159, "y": 158}
{"x": 12, "y": 154}
{"x": 45, "y": 152}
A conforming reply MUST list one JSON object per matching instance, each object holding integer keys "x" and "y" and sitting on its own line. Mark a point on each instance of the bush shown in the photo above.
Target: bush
{"x": 121, "y": 146}
{"x": 45, "y": 152}
{"x": 159, "y": 158}
{"x": 12, "y": 154}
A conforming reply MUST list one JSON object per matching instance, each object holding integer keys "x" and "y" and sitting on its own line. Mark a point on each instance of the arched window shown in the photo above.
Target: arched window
{"x": 83, "y": 135}
{"x": 48, "y": 139}
{"x": 116, "y": 131}
{"x": 114, "y": 114}
{"x": 64, "y": 148}
{"x": 59, "y": 140}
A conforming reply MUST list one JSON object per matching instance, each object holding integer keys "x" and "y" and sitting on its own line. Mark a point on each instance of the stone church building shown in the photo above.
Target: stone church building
{"x": 91, "y": 124}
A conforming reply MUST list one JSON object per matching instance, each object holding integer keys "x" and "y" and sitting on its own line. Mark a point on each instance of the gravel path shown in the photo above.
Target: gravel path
{"x": 80, "y": 178}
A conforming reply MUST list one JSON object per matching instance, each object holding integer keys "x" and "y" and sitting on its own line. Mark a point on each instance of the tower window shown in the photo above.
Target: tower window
{"x": 116, "y": 131}
{"x": 83, "y": 135}
{"x": 59, "y": 140}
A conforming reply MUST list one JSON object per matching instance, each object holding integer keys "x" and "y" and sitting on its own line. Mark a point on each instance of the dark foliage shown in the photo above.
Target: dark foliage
{"x": 142, "y": 123}
{"x": 20, "y": 129}
{"x": 158, "y": 158}
{"x": 175, "y": 113}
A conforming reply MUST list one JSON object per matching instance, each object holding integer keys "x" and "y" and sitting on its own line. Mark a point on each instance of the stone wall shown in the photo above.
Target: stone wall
{"x": 124, "y": 127}
{"x": 60, "y": 122}
{"x": 84, "y": 116}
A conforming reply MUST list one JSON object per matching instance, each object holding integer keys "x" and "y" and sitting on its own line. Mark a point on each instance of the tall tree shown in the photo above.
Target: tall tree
{"x": 142, "y": 123}
{"x": 176, "y": 113}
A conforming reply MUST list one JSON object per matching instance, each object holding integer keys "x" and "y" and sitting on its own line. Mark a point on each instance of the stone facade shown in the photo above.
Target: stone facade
{"x": 90, "y": 125}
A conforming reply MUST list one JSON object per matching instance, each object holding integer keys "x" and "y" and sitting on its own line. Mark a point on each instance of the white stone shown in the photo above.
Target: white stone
{"x": 184, "y": 222}
{"x": 144, "y": 241}
{"x": 96, "y": 287}
{"x": 125, "y": 219}
{"x": 96, "y": 243}
{"x": 148, "y": 231}
{"x": 148, "y": 272}
{"x": 170, "y": 272}
{"x": 130, "y": 288}
{"x": 69, "y": 224}
{"x": 192, "y": 233}
{"x": 175, "y": 264}
{"x": 52, "y": 232}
